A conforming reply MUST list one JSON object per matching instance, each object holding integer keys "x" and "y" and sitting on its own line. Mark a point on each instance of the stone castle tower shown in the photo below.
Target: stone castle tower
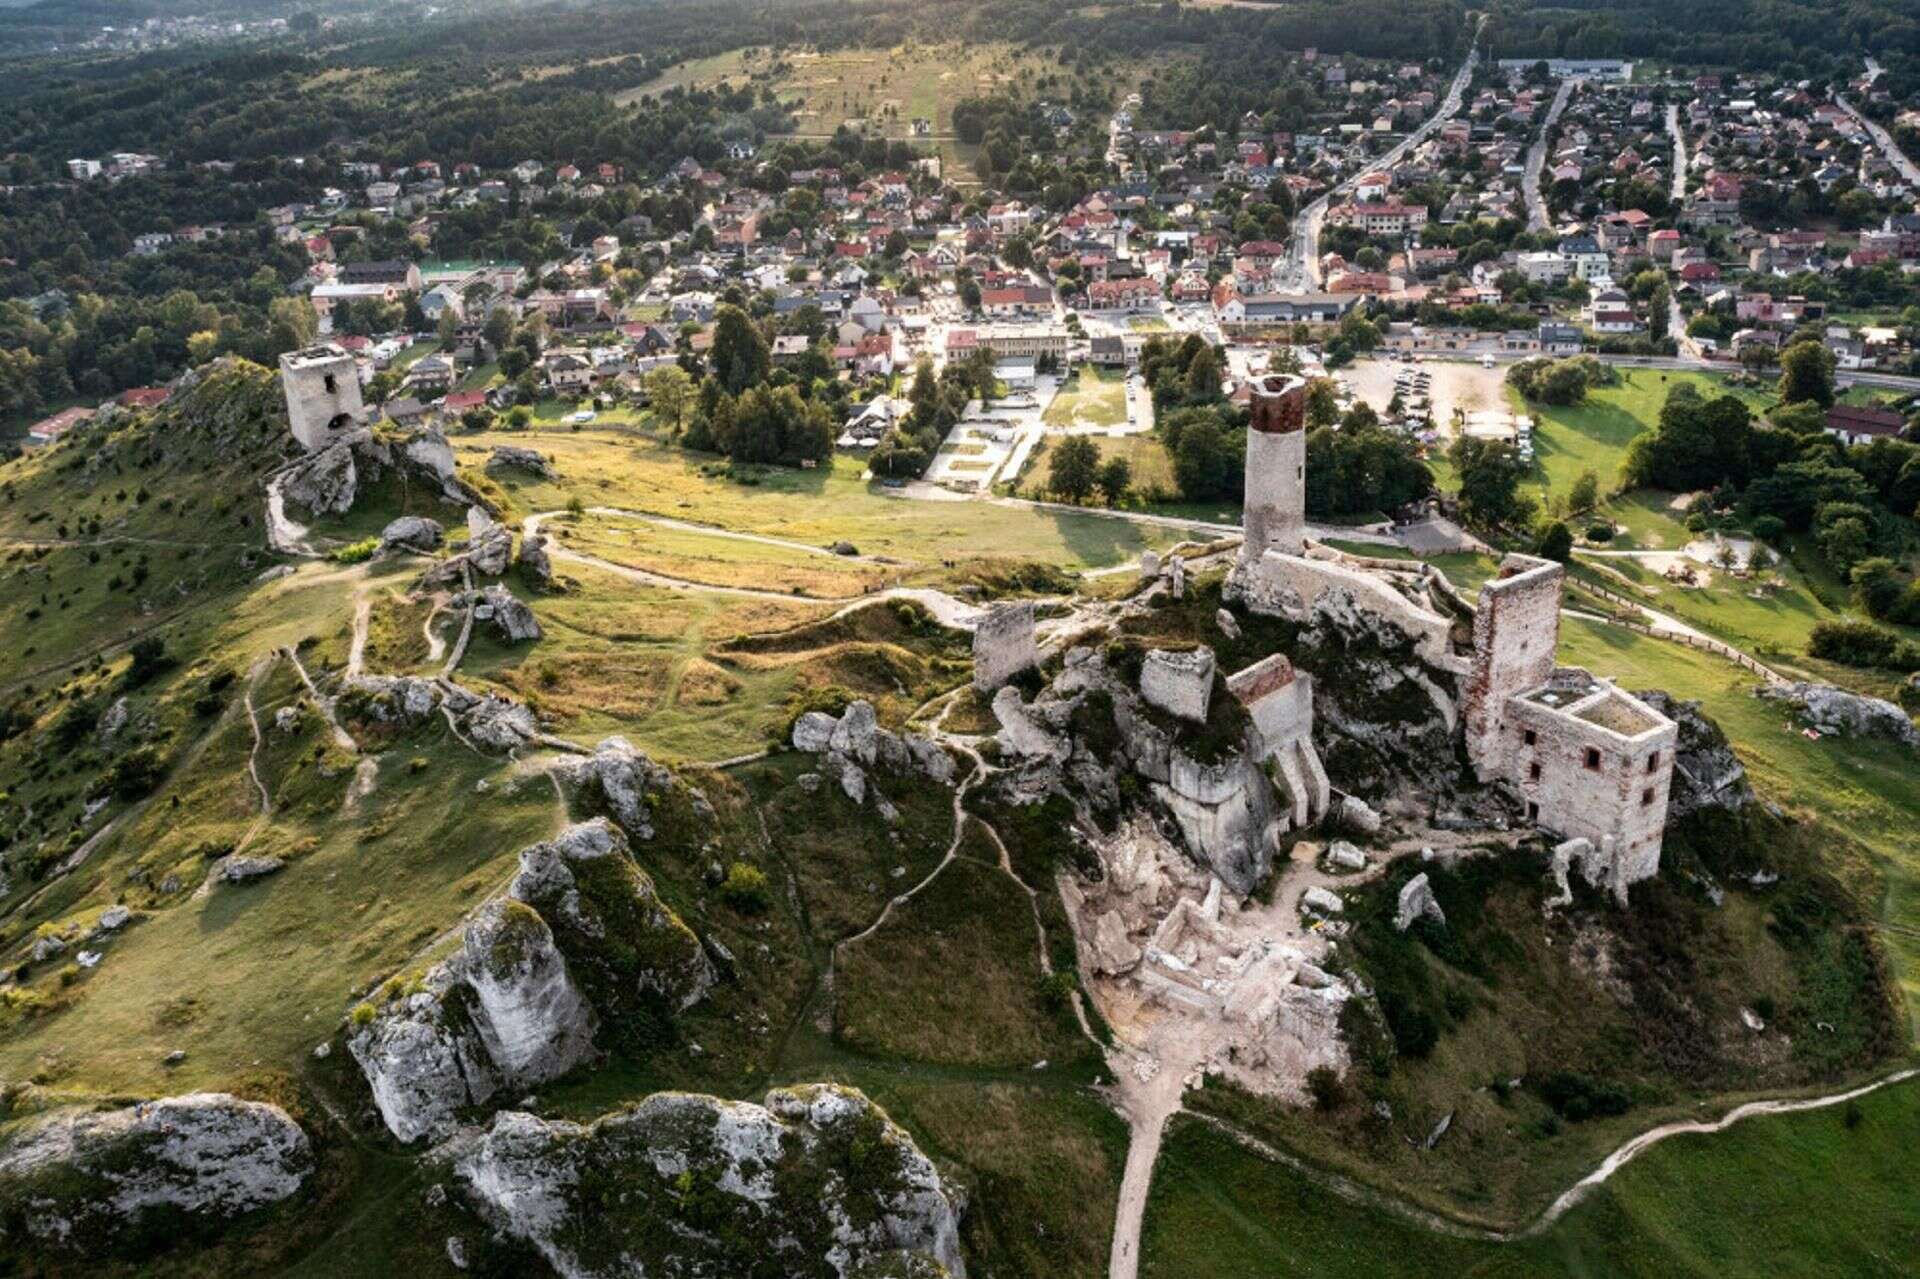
{"x": 1276, "y": 506}
{"x": 322, "y": 385}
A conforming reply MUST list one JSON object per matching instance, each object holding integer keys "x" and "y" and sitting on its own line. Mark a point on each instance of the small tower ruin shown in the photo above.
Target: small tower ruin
{"x": 1276, "y": 505}
{"x": 322, "y": 385}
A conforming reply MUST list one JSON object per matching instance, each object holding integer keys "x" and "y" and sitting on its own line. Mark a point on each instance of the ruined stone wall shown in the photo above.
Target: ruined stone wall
{"x": 1179, "y": 683}
{"x": 1516, "y": 629}
{"x": 1279, "y": 698}
{"x": 1616, "y": 797}
{"x": 322, "y": 386}
{"x": 1290, "y": 586}
{"x": 1276, "y": 470}
{"x": 1003, "y": 645}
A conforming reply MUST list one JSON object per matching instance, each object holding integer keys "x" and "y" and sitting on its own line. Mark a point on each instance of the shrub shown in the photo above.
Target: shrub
{"x": 1575, "y": 1097}
{"x": 1599, "y": 532}
{"x": 356, "y": 552}
{"x": 1852, "y": 642}
{"x": 1328, "y": 1090}
{"x": 745, "y": 889}
{"x": 1768, "y": 528}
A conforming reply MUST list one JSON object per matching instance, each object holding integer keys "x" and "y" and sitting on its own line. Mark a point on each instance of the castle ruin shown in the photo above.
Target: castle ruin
{"x": 322, "y": 386}
{"x": 1589, "y": 761}
{"x": 1584, "y": 759}
{"x": 1003, "y": 645}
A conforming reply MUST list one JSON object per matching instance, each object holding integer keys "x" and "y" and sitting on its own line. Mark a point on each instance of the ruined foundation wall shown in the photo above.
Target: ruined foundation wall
{"x": 1282, "y": 585}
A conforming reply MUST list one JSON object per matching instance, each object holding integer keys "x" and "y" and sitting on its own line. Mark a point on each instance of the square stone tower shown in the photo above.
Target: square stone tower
{"x": 322, "y": 385}
{"x": 1276, "y": 506}
{"x": 1516, "y": 628}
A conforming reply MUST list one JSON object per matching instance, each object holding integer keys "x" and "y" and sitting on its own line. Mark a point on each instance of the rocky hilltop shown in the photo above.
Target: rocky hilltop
{"x": 816, "y": 1182}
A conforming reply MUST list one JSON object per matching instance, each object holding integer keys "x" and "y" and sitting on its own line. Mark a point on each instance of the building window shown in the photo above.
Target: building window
{"x": 1653, "y": 762}
{"x": 1646, "y": 797}
{"x": 1533, "y": 812}
{"x": 1593, "y": 758}
{"x": 331, "y": 388}
{"x": 1529, "y": 736}
{"x": 1533, "y": 772}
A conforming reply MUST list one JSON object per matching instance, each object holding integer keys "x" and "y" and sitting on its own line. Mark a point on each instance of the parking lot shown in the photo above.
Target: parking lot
{"x": 1453, "y": 384}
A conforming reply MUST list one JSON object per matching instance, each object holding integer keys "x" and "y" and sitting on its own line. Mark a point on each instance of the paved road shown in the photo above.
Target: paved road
{"x": 1538, "y": 218}
{"x": 1909, "y": 172}
{"x": 1301, "y": 271}
{"x": 1678, "y": 190}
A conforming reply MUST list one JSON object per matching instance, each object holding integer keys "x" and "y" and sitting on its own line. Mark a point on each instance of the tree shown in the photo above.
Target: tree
{"x": 670, "y": 394}
{"x": 1806, "y": 373}
{"x": 1585, "y": 493}
{"x": 1073, "y": 472}
{"x": 1115, "y": 477}
{"x": 1490, "y": 472}
{"x": 1555, "y": 542}
{"x": 1203, "y": 461}
{"x": 739, "y": 356}
{"x": 1204, "y": 377}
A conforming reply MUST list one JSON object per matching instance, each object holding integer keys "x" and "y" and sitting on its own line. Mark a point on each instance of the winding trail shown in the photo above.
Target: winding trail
{"x": 946, "y": 609}
{"x": 357, "y": 648}
{"x": 341, "y": 738}
{"x": 1628, "y": 1151}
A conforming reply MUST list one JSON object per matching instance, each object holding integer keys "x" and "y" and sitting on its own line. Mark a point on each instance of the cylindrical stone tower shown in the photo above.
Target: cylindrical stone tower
{"x": 1276, "y": 506}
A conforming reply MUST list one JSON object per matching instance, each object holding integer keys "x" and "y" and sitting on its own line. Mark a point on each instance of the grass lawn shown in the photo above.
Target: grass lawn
{"x": 1151, "y": 465}
{"x": 1805, "y": 1187}
{"x": 816, "y": 507}
{"x": 1775, "y": 625}
{"x": 1096, "y": 397}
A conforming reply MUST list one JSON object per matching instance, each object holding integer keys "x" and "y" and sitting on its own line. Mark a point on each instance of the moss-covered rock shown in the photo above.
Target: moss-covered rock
{"x": 818, "y": 1182}
{"x": 634, "y": 958}
{"x": 84, "y": 1180}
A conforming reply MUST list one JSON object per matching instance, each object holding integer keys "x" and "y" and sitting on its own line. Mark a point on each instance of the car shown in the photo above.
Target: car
{"x": 582, "y": 417}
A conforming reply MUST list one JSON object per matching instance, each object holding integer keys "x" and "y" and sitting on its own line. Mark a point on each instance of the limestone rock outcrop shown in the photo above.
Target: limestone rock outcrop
{"x": 1417, "y": 902}
{"x": 495, "y": 722}
{"x": 80, "y": 1178}
{"x": 1835, "y": 711}
{"x": 327, "y": 482}
{"x": 1706, "y": 772}
{"x": 818, "y": 1174}
{"x": 489, "y": 543}
{"x": 508, "y": 457}
{"x": 580, "y": 944}
{"x": 624, "y": 781}
{"x": 534, "y": 561}
{"x": 623, "y": 941}
{"x": 511, "y": 618}
{"x": 530, "y": 1015}
{"x": 411, "y": 533}
{"x": 854, "y": 744}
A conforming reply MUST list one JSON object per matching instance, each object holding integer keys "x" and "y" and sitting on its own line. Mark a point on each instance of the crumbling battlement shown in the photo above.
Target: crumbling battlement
{"x": 1280, "y": 702}
{"x": 1003, "y": 645}
{"x": 1179, "y": 683}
